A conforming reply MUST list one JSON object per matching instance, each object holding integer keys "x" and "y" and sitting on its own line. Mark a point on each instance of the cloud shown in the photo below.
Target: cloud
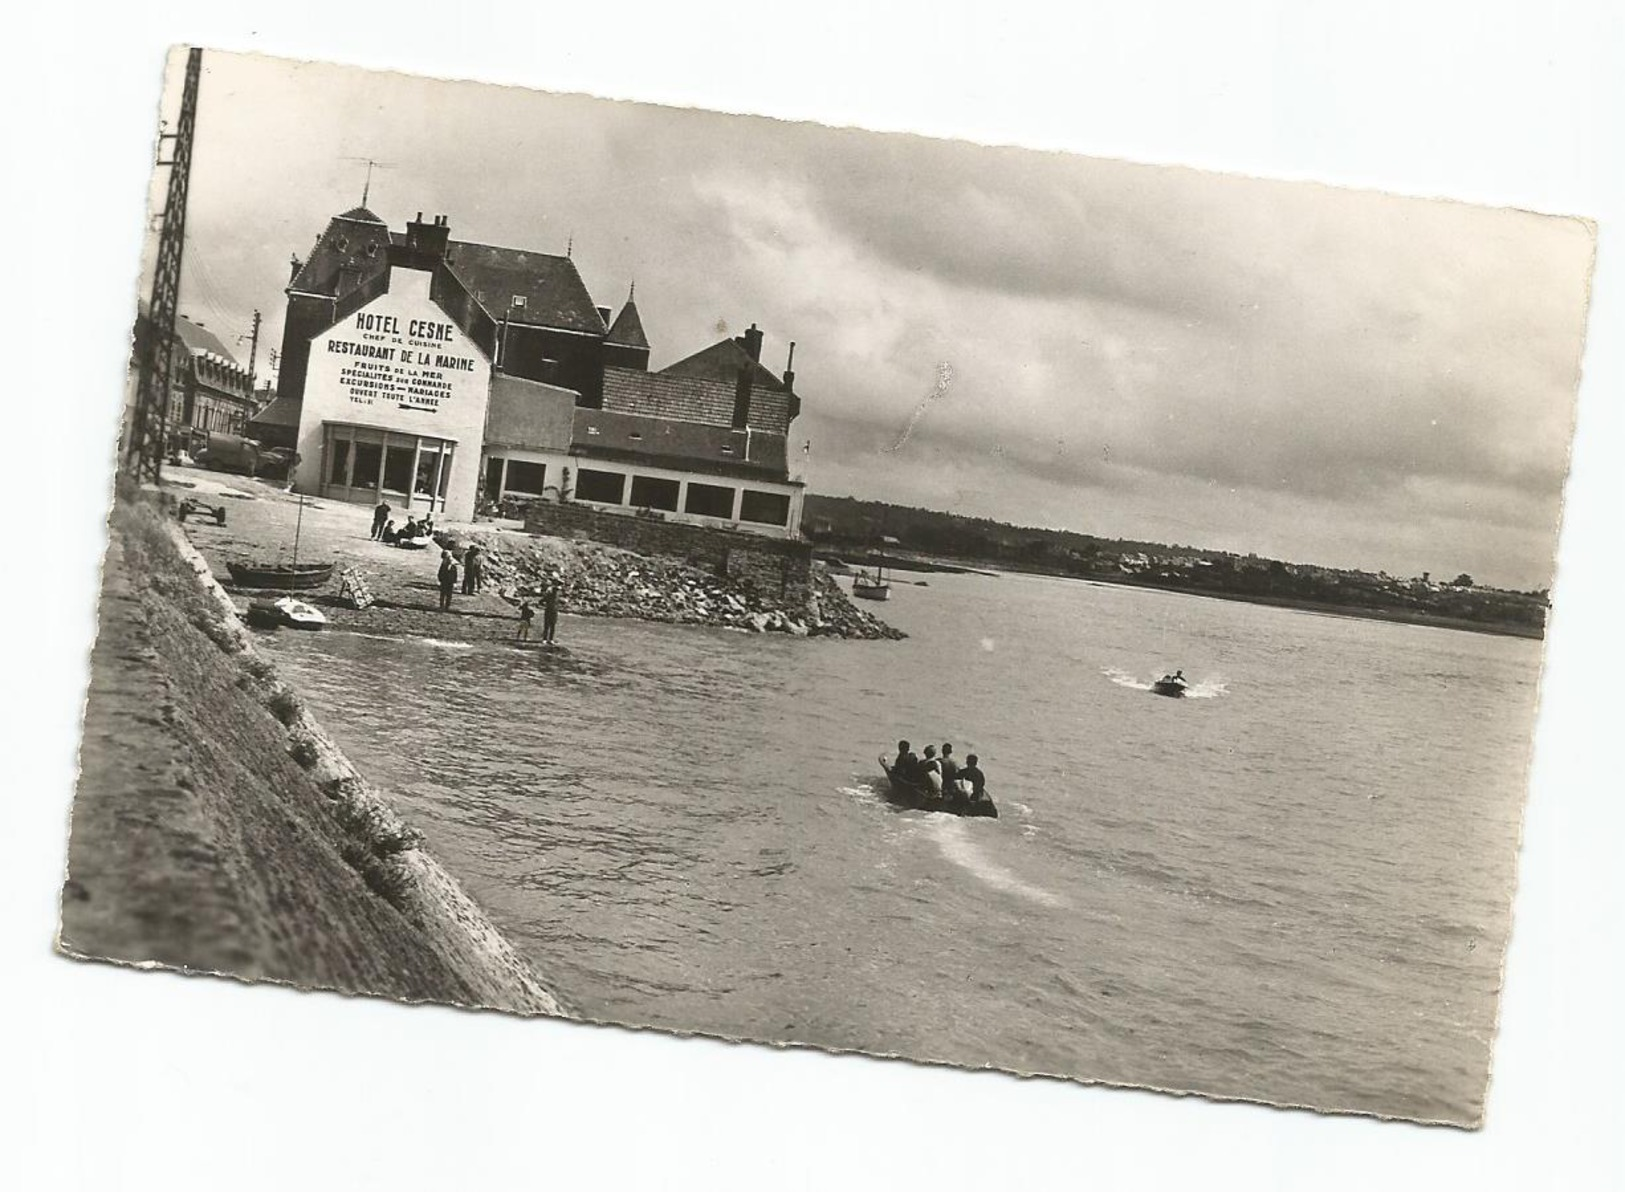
{"x": 1132, "y": 347}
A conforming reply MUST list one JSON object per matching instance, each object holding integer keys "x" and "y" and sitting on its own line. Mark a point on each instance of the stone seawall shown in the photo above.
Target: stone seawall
{"x": 775, "y": 566}
{"x": 218, "y": 828}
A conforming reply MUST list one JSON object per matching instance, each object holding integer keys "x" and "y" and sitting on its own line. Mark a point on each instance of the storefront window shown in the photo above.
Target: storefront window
{"x": 710, "y": 500}
{"x": 649, "y": 492}
{"x": 767, "y": 509}
{"x": 607, "y": 488}
{"x": 527, "y": 478}
{"x": 367, "y": 458}
{"x": 339, "y": 459}
{"x": 398, "y": 467}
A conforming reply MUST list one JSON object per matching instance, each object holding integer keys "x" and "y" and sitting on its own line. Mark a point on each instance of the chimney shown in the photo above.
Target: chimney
{"x": 751, "y": 341}
{"x": 742, "y": 397}
{"x": 604, "y": 313}
{"x": 790, "y": 368}
{"x": 428, "y": 239}
{"x": 294, "y": 266}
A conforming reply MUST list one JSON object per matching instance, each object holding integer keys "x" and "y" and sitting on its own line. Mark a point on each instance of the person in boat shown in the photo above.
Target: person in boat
{"x": 526, "y": 615}
{"x": 1177, "y": 679}
{"x": 550, "y": 613}
{"x": 949, "y": 767}
{"x": 448, "y": 580}
{"x": 380, "y": 515}
{"x": 471, "y": 570}
{"x": 907, "y": 763}
{"x": 388, "y": 534}
{"x": 972, "y": 774}
{"x": 930, "y": 772}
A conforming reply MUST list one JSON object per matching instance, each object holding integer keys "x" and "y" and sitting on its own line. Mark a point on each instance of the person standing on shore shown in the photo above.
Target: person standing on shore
{"x": 471, "y": 570}
{"x": 550, "y": 613}
{"x": 448, "y": 580}
{"x": 380, "y": 515}
{"x": 526, "y": 615}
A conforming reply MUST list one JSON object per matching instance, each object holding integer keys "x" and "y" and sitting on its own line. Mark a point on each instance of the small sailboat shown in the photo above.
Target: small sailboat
{"x": 280, "y": 576}
{"x": 873, "y": 586}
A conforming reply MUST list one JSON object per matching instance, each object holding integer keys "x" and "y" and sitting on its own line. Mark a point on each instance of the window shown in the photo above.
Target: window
{"x": 493, "y": 477}
{"x": 519, "y": 302}
{"x": 340, "y": 461}
{"x": 651, "y": 493}
{"x": 767, "y": 509}
{"x": 367, "y": 458}
{"x": 526, "y": 477}
{"x": 710, "y": 500}
{"x": 398, "y": 467}
{"x": 606, "y": 488}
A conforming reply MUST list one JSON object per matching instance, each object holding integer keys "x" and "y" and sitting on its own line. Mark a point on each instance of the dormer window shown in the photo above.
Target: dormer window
{"x": 519, "y": 302}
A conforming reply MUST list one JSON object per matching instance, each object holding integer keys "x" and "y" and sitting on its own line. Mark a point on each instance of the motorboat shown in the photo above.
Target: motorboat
{"x": 286, "y": 613}
{"x": 1170, "y": 686}
{"x": 280, "y": 577}
{"x": 922, "y": 796}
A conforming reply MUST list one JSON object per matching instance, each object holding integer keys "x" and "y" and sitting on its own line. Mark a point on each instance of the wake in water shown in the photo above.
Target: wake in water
{"x": 953, "y": 838}
{"x": 1197, "y": 689}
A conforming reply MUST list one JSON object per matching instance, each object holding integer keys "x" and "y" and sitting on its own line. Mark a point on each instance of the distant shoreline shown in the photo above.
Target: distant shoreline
{"x": 1398, "y": 616}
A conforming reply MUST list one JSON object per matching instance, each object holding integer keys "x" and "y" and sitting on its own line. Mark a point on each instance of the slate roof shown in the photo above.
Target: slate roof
{"x": 282, "y": 411}
{"x": 688, "y": 446}
{"x": 555, "y": 296}
{"x": 200, "y": 339}
{"x": 627, "y": 329}
{"x": 722, "y": 362}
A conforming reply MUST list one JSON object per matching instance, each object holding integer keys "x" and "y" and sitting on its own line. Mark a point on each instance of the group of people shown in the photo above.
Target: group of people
{"x": 550, "y": 615}
{"x": 941, "y": 772}
{"x": 472, "y": 570}
{"x": 384, "y": 529}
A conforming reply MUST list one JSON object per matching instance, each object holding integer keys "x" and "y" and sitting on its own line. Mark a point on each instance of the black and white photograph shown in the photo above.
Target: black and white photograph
{"x": 799, "y": 585}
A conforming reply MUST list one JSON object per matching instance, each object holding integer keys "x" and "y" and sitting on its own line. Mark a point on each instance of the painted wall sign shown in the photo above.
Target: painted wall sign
{"x": 400, "y": 364}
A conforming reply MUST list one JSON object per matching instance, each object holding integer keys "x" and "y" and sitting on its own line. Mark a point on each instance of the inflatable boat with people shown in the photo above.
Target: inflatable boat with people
{"x": 921, "y": 794}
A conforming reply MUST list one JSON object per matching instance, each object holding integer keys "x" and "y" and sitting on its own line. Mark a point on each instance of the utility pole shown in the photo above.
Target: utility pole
{"x": 145, "y": 440}
{"x": 253, "y": 349}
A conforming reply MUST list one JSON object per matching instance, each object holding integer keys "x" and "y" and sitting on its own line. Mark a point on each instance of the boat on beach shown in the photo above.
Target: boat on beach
{"x": 921, "y": 796}
{"x": 280, "y": 577}
{"x": 285, "y": 613}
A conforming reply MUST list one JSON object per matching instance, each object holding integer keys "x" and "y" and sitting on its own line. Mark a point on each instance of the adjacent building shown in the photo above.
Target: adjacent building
{"x": 446, "y": 375}
{"x": 208, "y": 389}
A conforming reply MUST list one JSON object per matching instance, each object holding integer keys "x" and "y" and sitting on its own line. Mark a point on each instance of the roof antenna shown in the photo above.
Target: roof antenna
{"x": 366, "y": 186}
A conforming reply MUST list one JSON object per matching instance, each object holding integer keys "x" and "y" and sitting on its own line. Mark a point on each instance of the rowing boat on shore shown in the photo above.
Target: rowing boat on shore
{"x": 923, "y": 797}
{"x": 280, "y": 577}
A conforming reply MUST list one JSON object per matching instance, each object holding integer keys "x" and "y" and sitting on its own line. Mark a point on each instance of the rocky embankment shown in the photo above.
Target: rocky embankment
{"x": 604, "y": 581}
{"x": 217, "y": 827}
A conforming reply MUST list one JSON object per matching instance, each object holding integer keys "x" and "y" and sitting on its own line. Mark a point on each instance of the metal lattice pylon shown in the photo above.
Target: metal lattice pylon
{"x": 144, "y": 447}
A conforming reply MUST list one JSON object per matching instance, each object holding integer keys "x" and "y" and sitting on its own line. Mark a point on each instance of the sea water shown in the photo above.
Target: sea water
{"x": 1294, "y": 886}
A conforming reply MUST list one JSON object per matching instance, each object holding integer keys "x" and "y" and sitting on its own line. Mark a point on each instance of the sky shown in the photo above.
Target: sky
{"x": 1149, "y": 352}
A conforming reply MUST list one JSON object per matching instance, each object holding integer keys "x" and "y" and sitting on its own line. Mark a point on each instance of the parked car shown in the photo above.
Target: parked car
{"x": 229, "y": 453}
{"x": 276, "y": 463}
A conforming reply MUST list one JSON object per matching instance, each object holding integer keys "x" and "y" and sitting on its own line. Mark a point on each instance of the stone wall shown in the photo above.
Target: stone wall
{"x": 778, "y": 567}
